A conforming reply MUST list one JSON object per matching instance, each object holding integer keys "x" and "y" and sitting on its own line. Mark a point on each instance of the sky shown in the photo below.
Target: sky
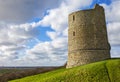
{"x": 35, "y": 32}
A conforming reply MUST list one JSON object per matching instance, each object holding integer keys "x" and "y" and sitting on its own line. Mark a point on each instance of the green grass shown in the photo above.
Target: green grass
{"x": 103, "y": 71}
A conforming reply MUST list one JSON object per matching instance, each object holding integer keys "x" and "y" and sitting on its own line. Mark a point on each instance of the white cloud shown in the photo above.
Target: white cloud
{"x": 114, "y": 33}
{"x": 18, "y": 11}
{"x": 53, "y": 35}
{"x": 112, "y": 10}
{"x": 53, "y": 52}
{"x": 13, "y": 38}
{"x": 58, "y": 17}
{"x": 48, "y": 52}
{"x": 113, "y": 25}
{"x": 56, "y": 50}
{"x": 16, "y": 33}
{"x": 115, "y": 51}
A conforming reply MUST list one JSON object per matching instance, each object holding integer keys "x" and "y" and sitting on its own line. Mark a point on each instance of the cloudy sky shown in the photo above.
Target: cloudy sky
{"x": 34, "y": 32}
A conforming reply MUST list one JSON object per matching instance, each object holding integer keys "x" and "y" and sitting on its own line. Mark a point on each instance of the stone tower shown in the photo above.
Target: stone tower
{"x": 87, "y": 37}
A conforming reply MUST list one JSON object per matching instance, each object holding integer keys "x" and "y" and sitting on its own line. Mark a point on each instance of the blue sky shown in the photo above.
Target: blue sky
{"x": 34, "y": 33}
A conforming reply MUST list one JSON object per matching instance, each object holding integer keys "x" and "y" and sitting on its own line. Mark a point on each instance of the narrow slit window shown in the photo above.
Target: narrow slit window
{"x": 73, "y": 33}
{"x": 73, "y": 17}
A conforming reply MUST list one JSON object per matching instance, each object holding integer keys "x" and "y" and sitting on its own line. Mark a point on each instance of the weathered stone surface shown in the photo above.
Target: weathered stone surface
{"x": 87, "y": 37}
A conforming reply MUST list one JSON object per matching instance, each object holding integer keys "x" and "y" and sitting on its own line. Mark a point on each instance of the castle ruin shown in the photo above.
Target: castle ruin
{"x": 87, "y": 37}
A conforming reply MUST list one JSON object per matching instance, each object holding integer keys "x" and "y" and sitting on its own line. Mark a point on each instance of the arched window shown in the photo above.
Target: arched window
{"x": 73, "y": 33}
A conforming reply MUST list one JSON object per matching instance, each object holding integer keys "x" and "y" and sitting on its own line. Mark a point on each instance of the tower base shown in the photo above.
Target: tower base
{"x": 82, "y": 57}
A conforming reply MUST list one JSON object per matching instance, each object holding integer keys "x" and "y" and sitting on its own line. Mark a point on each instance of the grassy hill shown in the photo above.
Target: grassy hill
{"x": 103, "y": 71}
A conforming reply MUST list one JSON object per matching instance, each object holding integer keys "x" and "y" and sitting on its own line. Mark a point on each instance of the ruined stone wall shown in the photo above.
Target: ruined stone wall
{"x": 87, "y": 37}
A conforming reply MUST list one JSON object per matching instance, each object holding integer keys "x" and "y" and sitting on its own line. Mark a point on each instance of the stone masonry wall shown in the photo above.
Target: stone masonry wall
{"x": 82, "y": 57}
{"x": 87, "y": 37}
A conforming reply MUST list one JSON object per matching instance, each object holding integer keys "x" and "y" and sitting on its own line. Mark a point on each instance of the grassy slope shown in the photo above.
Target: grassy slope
{"x": 104, "y": 71}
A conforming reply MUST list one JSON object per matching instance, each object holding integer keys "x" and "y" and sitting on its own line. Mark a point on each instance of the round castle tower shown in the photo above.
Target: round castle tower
{"x": 87, "y": 37}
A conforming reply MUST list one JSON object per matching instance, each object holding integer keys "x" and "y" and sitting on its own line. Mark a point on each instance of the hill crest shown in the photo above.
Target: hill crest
{"x": 103, "y": 71}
